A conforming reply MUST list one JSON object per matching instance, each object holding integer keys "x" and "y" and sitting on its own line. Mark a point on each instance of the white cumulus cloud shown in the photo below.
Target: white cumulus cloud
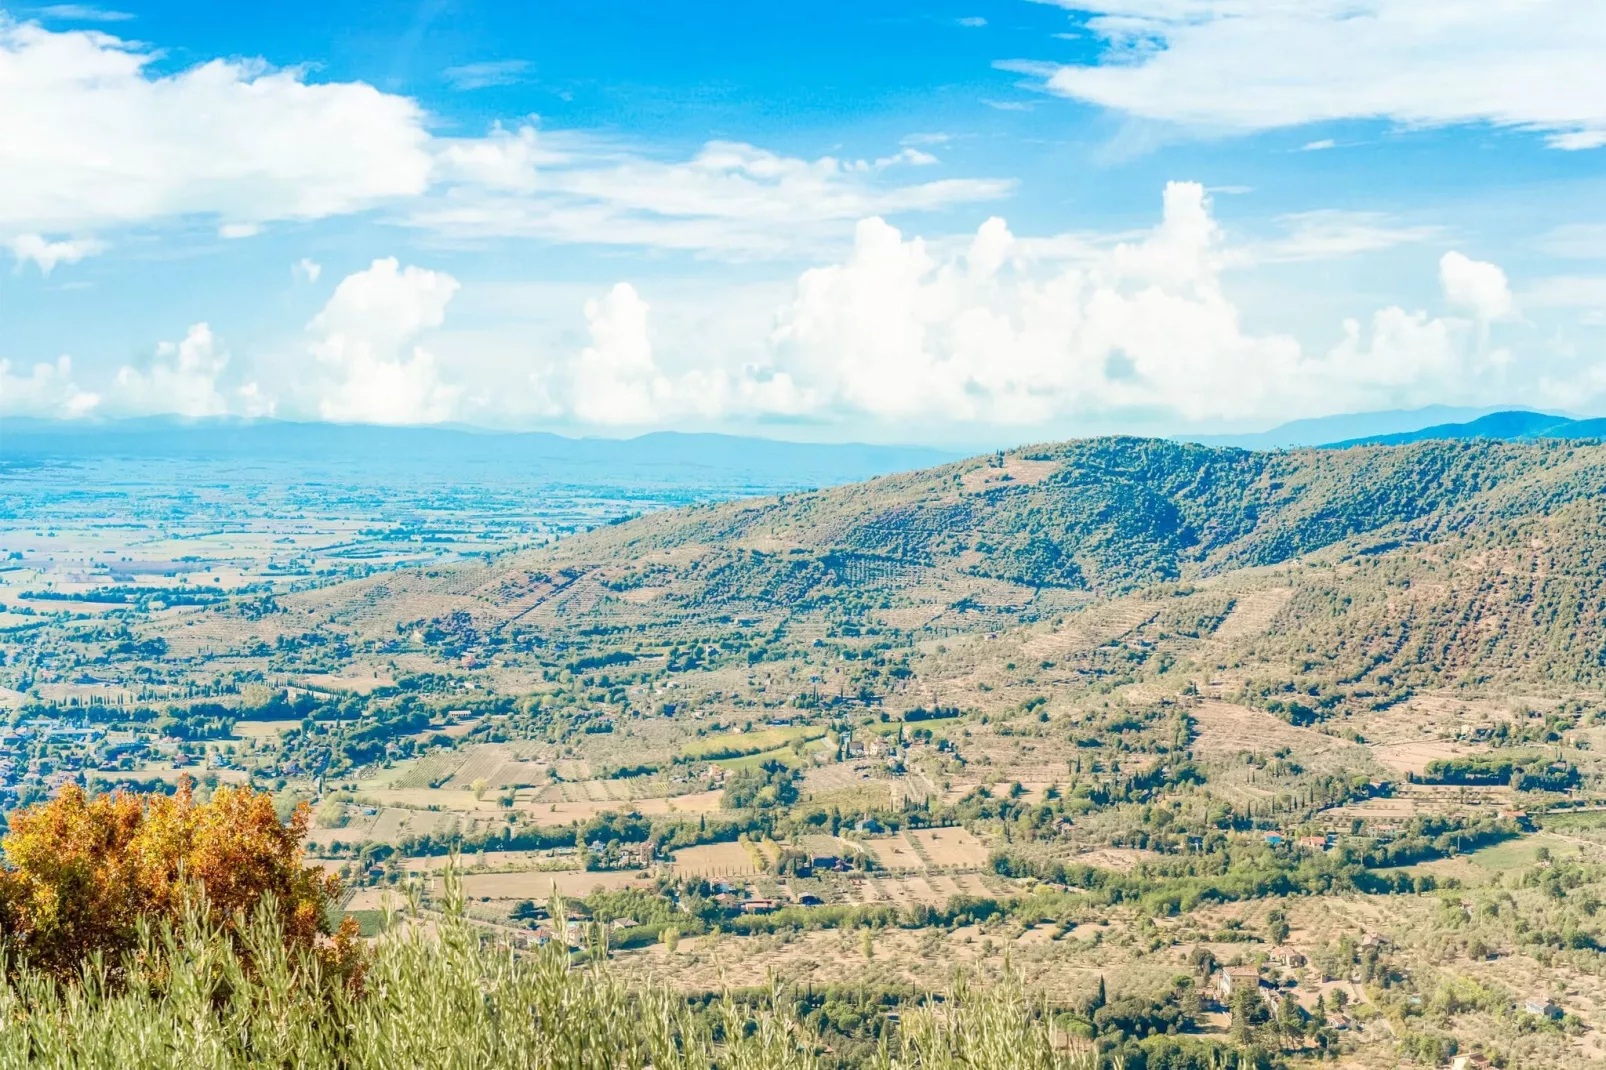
{"x": 365, "y": 341}
{"x": 994, "y": 330}
{"x": 615, "y": 378}
{"x": 46, "y": 254}
{"x": 48, "y": 390}
{"x": 181, "y": 379}
{"x": 615, "y": 381}
{"x": 92, "y": 137}
{"x": 1476, "y": 287}
{"x": 1004, "y": 332}
{"x": 992, "y": 334}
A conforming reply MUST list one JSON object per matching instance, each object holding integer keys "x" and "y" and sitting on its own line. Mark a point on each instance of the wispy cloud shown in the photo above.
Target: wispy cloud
{"x": 1576, "y": 241}
{"x": 82, "y": 13}
{"x": 1328, "y": 233}
{"x": 486, "y": 74}
{"x": 1228, "y": 65}
{"x": 1568, "y": 291}
{"x": 729, "y": 200}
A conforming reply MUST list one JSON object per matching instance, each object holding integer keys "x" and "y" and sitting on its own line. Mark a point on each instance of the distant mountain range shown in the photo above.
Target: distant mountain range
{"x": 1512, "y": 426}
{"x": 665, "y": 457}
{"x": 375, "y": 452}
{"x": 1399, "y": 426}
{"x": 1321, "y": 430}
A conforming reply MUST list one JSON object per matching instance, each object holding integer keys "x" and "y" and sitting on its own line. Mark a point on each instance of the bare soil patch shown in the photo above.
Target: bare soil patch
{"x": 1226, "y": 729}
{"x": 540, "y": 885}
{"x": 894, "y": 853}
{"x": 954, "y": 847}
{"x": 1414, "y": 757}
{"x": 1121, "y": 859}
{"x": 357, "y": 685}
{"x": 714, "y": 860}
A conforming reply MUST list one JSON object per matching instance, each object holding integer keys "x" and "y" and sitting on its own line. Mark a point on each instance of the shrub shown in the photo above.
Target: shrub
{"x": 83, "y": 873}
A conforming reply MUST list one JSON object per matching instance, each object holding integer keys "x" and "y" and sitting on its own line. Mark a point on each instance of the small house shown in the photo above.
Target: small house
{"x": 1541, "y": 1006}
{"x": 1232, "y": 978}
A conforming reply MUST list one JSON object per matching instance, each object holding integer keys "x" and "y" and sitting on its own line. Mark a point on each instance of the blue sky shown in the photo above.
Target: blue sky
{"x": 957, "y": 224}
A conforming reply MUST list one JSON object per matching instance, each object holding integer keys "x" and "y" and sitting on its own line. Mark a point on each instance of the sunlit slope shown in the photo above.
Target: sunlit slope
{"x": 1104, "y": 515}
{"x": 1044, "y": 530}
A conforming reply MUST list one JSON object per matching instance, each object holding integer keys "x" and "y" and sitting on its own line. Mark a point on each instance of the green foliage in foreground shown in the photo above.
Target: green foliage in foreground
{"x": 437, "y": 994}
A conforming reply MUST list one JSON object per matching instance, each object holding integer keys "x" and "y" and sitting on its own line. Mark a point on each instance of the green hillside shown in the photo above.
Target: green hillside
{"x": 1104, "y": 515}
{"x": 1416, "y": 565}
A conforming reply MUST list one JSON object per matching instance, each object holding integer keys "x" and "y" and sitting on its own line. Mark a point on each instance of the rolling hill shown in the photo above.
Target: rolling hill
{"x": 1408, "y": 565}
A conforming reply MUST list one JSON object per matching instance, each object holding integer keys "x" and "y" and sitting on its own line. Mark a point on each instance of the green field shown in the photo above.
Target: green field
{"x": 370, "y": 923}
{"x": 1519, "y": 853}
{"x": 742, "y": 744}
{"x": 785, "y": 755}
{"x": 938, "y": 725}
{"x": 1565, "y": 822}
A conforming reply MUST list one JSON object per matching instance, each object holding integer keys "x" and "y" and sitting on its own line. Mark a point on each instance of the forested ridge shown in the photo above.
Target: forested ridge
{"x": 1108, "y": 514}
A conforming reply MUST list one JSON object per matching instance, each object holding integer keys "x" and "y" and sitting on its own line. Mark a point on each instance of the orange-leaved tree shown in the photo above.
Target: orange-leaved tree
{"x": 81, "y": 871}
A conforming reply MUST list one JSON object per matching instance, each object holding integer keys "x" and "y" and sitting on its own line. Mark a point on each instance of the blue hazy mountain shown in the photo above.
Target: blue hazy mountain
{"x": 1511, "y": 425}
{"x": 365, "y": 452}
{"x": 1345, "y": 427}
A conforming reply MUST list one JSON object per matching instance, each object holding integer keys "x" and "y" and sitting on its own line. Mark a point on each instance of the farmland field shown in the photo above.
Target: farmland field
{"x": 950, "y": 847}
